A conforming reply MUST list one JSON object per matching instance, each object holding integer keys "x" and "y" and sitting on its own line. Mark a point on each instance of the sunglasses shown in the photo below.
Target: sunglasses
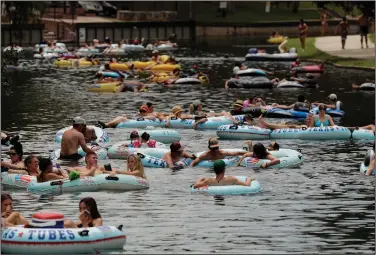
{"x": 12, "y": 153}
{"x": 214, "y": 148}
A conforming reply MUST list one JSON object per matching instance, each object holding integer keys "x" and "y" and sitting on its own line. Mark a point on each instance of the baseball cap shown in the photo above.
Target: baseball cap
{"x": 238, "y": 103}
{"x": 79, "y": 121}
{"x": 219, "y": 165}
{"x": 333, "y": 96}
{"x": 213, "y": 142}
{"x": 197, "y": 102}
{"x": 176, "y": 146}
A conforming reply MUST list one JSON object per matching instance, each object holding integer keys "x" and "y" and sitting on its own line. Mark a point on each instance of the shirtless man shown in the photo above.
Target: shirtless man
{"x": 175, "y": 155}
{"x": 279, "y": 126}
{"x": 215, "y": 153}
{"x": 132, "y": 86}
{"x": 91, "y": 168}
{"x": 72, "y": 139}
{"x": 220, "y": 179}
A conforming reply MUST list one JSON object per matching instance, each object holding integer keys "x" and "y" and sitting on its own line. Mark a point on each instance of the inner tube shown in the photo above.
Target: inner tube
{"x": 276, "y": 40}
{"x": 116, "y": 52}
{"x": 104, "y": 87}
{"x": 255, "y": 187}
{"x": 98, "y": 182}
{"x": 295, "y": 84}
{"x": 229, "y": 160}
{"x": 365, "y": 164}
{"x": 367, "y": 86}
{"x": 287, "y": 157}
{"x": 120, "y": 150}
{"x": 109, "y": 74}
{"x": 188, "y": 80}
{"x": 139, "y": 123}
{"x": 250, "y": 72}
{"x": 250, "y": 83}
{"x": 363, "y": 134}
{"x": 308, "y": 69}
{"x": 242, "y": 132}
{"x": 255, "y": 111}
{"x": 281, "y": 113}
{"x": 46, "y": 55}
{"x": 211, "y": 123}
{"x": 142, "y": 65}
{"x": 314, "y": 133}
{"x": 331, "y": 112}
{"x": 271, "y": 57}
{"x": 73, "y": 62}
{"x": 61, "y": 240}
{"x": 166, "y": 136}
{"x": 157, "y": 162}
{"x": 16, "y": 181}
{"x": 102, "y": 135}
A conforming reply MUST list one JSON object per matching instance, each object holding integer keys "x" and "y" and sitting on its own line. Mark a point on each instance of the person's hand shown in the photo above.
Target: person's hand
{"x": 84, "y": 216}
{"x": 264, "y": 165}
{"x": 195, "y": 126}
{"x": 274, "y": 104}
{"x": 5, "y": 214}
{"x": 236, "y": 122}
{"x": 113, "y": 173}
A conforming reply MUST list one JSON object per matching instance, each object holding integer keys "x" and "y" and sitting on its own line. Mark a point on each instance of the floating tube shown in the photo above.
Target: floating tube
{"x": 121, "y": 150}
{"x": 102, "y": 46}
{"x": 255, "y": 187}
{"x": 166, "y": 47}
{"x": 211, "y": 123}
{"x": 325, "y": 133}
{"x": 19, "y": 240}
{"x": 256, "y": 111}
{"x": 157, "y": 162}
{"x": 331, "y": 112}
{"x": 365, "y": 164}
{"x": 17, "y": 49}
{"x": 101, "y": 153}
{"x": 363, "y": 134}
{"x": 102, "y": 135}
{"x": 367, "y": 86}
{"x": 139, "y": 123}
{"x": 166, "y": 136}
{"x": 229, "y": 160}
{"x": 271, "y": 57}
{"x": 142, "y": 65}
{"x": 16, "y": 181}
{"x": 73, "y": 62}
{"x": 286, "y": 133}
{"x": 132, "y": 47}
{"x": 242, "y": 132}
{"x": 281, "y": 113}
{"x": 250, "y": 72}
{"x": 287, "y": 157}
{"x": 46, "y": 55}
{"x": 308, "y": 69}
{"x": 110, "y": 74}
{"x": 295, "y": 84}
{"x": 250, "y": 83}
{"x": 121, "y": 182}
{"x": 188, "y": 80}
{"x": 277, "y": 40}
{"x": 116, "y": 52}
{"x": 104, "y": 87}
{"x": 87, "y": 51}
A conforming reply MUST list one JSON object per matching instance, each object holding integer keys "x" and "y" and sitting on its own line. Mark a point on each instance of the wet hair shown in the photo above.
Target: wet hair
{"x": 44, "y": 163}
{"x": 260, "y": 151}
{"x": 301, "y": 98}
{"x": 5, "y": 196}
{"x": 91, "y": 206}
{"x": 139, "y": 166}
{"x": 18, "y": 148}
{"x": 322, "y": 107}
{"x": 28, "y": 159}
{"x": 145, "y": 136}
{"x": 149, "y": 104}
{"x": 219, "y": 170}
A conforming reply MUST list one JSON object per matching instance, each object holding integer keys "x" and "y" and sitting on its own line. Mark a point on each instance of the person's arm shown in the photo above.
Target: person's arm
{"x": 354, "y": 86}
{"x": 331, "y": 122}
{"x": 226, "y": 84}
{"x": 305, "y": 28}
{"x": 248, "y": 154}
{"x": 313, "y": 119}
{"x": 273, "y": 161}
{"x": 186, "y": 116}
{"x": 53, "y": 177}
{"x": 168, "y": 160}
{"x": 199, "y": 121}
{"x": 285, "y": 107}
{"x": 234, "y": 153}
{"x": 198, "y": 159}
{"x": 187, "y": 155}
{"x": 200, "y": 183}
{"x": 98, "y": 222}
{"x": 82, "y": 143}
{"x": 371, "y": 167}
{"x": 236, "y": 181}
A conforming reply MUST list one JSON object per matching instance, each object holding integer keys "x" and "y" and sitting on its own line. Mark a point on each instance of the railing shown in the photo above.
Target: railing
{"x": 21, "y": 34}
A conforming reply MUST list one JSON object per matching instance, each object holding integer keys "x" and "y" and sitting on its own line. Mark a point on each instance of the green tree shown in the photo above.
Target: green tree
{"x": 366, "y": 7}
{"x": 24, "y": 12}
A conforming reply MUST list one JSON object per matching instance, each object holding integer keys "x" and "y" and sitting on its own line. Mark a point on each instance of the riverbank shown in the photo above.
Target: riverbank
{"x": 313, "y": 53}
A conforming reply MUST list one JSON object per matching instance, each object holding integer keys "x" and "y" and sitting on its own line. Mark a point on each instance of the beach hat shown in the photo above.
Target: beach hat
{"x": 238, "y": 103}
{"x": 79, "y": 121}
{"x": 176, "y": 109}
{"x": 213, "y": 142}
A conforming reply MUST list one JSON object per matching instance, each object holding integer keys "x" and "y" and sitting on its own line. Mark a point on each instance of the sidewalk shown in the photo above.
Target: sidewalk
{"x": 332, "y": 46}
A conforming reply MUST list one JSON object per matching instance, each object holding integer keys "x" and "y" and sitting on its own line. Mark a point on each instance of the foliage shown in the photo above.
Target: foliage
{"x": 367, "y": 7}
{"x": 22, "y": 12}
{"x": 9, "y": 57}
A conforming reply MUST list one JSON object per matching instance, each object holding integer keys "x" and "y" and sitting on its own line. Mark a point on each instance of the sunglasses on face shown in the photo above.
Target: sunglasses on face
{"x": 214, "y": 148}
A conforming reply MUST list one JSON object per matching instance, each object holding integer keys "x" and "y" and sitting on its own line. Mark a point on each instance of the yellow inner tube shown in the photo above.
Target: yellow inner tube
{"x": 143, "y": 65}
{"x": 69, "y": 62}
{"x": 276, "y": 39}
{"x": 104, "y": 87}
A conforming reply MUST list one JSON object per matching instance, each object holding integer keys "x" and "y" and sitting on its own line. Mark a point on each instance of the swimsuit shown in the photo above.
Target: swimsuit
{"x": 74, "y": 156}
{"x": 90, "y": 225}
{"x": 318, "y": 123}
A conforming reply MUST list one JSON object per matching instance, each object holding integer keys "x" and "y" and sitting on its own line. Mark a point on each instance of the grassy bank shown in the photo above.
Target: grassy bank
{"x": 311, "y": 52}
{"x": 372, "y": 38}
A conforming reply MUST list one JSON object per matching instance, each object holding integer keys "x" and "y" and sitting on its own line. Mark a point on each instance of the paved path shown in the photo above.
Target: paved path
{"x": 332, "y": 46}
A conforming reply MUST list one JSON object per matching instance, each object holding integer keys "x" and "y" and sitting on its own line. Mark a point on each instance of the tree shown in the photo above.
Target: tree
{"x": 24, "y": 12}
{"x": 366, "y": 7}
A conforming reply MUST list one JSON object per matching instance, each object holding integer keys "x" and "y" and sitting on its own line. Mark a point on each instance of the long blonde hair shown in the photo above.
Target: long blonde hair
{"x": 138, "y": 165}
{"x": 192, "y": 109}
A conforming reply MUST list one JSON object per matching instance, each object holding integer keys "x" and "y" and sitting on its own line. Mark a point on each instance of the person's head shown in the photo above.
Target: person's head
{"x": 134, "y": 163}
{"x": 79, "y": 124}
{"x": 107, "y": 66}
{"x": 344, "y": 19}
{"x": 16, "y": 152}
{"x": 259, "y": 151}
{"x": 238, "y": 105}
{"x": 177, "y": 111}
{"x": 273, "y": 146}
{"x": 292, "y": 74}
{"x": 301, "y": 98}
{"x": 145, "y": 137}
{"x": 238, "y": 64}
{"x": 6, "y": 203}
{"x": 301, "y": 21}
{"x": 297, "y": 61}
{"x": 31, "y": 162}
{"x": 322, "y": 109}
{"x": 90, "y": 134}
{"x": 155, "y": 53}
{"x": 150, "y": 107}
{"x": 176, "y": 71}
{"x": 213, "y": 144}
{"x": 90, "y": 205}
{"x": 91, "y": 158}
{"x": 248, "y": 118}
{"x": 219, "y": 167}
{"x": 134, "y": 135}
{"x": 144, "y": 110}
{"x": 309, "y": 119}
{"x": 274, "y": 33}
{"x": 333, "y": 97}
{"x": 197, "y": 105}
{"x": 176, "y": 148}
{"x": 45, "y": 165}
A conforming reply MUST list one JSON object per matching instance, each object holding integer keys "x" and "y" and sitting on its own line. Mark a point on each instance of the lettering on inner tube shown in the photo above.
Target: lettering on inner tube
{"x": 50, "y": 234}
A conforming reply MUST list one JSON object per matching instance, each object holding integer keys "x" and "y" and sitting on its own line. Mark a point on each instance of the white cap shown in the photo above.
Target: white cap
{"x": 333, "y": 96}
{"x": 155, "y": 52}
{"x": 79, "y": 121}
{"x": 197, "y": 102}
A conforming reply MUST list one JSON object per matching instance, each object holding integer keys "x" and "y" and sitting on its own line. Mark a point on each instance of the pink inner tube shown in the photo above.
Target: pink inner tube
{"x": 309, "y": 69}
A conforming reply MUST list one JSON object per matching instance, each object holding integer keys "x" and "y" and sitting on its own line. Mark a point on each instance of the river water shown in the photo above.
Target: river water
{"x": 324, "y": 206}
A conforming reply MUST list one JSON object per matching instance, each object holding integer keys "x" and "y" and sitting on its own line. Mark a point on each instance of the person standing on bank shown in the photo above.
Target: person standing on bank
{"x": 363, "y": 29}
